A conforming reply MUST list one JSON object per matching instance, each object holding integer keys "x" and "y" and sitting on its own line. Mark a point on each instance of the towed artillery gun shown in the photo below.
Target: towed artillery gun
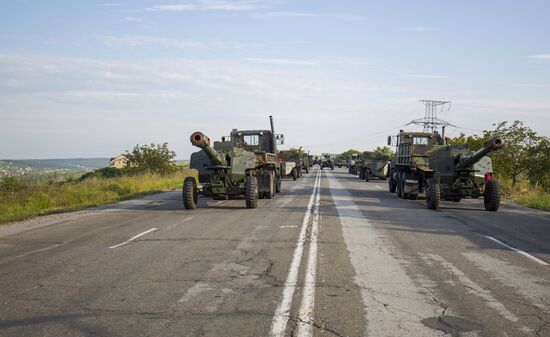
{"x": 327, "y": 160}
{"x": 425, "y": 164}
{"x": 352, "y": 168}
{"x": 373, "y": 165}
{"x": 245, "y": 165}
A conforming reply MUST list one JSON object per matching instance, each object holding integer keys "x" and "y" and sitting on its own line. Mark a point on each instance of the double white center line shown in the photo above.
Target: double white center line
{"x": 305, "y": 315}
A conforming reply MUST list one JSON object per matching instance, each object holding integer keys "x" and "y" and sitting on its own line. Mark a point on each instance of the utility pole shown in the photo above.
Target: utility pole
{"x": 430, "y": 122}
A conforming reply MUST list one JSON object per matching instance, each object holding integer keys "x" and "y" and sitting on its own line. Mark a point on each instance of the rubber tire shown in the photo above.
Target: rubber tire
{"x": 294, "y": 174}
{"x": 403, "y": 194}
{"x": 190, "y": 195}
{"x": 271, "y": 184}
{"x": 433, "y": 195}
{"x": 457, "y": 199}
{"x": 391, "y": 185}
{"x": 367, "y": 176}
{"x": 491, "y": 196}
{"x": 251, "y": 192}
{"x": 398, "y": 187}
{"x": 277, "y": 184}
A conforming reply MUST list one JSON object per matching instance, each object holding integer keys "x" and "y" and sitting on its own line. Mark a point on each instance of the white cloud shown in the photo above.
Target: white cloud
{"x": 425, "y": 76}
{"x": 120, "y": 41}
{"x": 544, "y": 57}
{"x": 287, "y": 14}
{"x": 337, "y": 16}
{"x": 282, "y": 61}
{"x": 132, "y": 19}
{"x": 205, "y": 5}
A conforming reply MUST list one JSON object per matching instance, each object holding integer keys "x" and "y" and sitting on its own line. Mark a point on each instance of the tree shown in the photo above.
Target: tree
{"x": 151, "y": 158}
{"x": 514, "y": 159}
{"x": 347, "y": 154}
{"x": 539, "y": 168}
{"x": 385, "y": 150}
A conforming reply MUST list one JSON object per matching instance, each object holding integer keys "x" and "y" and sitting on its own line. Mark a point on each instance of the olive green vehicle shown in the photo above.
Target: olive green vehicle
{"x": 295, "y": 162}
{"x": 327, "y": 160}
{"x": 373, "y": 165}
{"x": 245, "y": 165}
{"x": 425, "y": 164}
{"x": 352, "y": 163}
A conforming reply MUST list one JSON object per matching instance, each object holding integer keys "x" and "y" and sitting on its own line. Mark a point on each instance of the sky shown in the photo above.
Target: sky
{"x": 92, "y": 79}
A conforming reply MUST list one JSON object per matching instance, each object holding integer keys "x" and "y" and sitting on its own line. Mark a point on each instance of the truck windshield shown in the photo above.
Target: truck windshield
{"x": 420, "y": 140}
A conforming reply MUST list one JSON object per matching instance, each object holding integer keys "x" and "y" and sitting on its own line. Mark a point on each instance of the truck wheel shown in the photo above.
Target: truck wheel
{"x": 294, "y": 174}
{"x": 491, "y": 195}
{"x": 392, "y": 185}
{"x": 403, "y": 181}
{"x": 190, "y": 193}
{"x": 398, "y": 187}
{"x": 456, "y": 199}
{"x": 270, "y": 193}
{"x": 251, "y": 192}
{"x": 433, "y": 195}
{"x": 277, "y": 184}
{"x": 367, "y": 178}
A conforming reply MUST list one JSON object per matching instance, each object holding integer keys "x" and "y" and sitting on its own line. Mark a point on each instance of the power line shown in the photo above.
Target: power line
{"x": 430, "y": 122}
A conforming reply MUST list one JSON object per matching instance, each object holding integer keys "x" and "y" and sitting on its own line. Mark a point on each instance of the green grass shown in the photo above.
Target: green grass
{"x": 47, "y": 197}
{"x": 538, "y": 200}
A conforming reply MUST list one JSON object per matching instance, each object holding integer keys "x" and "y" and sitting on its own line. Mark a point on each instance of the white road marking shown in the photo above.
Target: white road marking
{"x": 292, "y": 226}
{"x": 133, "y": 238}
{"x": 527, "y": 255}
{"x": 475, "y": 289}
{"x": 179, "y": 223}
{"x": 35, "y": 251}
{"x": 306, "y": 314}
{"x": 282, "y": 313}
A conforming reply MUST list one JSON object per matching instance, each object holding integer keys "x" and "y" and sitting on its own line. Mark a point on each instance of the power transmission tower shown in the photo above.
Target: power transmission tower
{"x": 430, "y": 122}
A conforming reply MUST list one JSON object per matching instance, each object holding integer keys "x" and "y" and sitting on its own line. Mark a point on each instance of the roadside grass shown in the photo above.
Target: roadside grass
{"x": 45, "y": 197}
{"x": 523, "y": 193}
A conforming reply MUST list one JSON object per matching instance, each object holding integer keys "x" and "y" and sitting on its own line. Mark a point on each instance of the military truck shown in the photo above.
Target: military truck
{"x": 424, "y": 163}
{"x": 243, "y": 165}
{"x": 373, "y": 165}
{"x": 295, "y": 162}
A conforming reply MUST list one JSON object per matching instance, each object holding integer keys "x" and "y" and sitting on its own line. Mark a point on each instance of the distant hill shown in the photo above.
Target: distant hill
{"x": 40, "y": 166}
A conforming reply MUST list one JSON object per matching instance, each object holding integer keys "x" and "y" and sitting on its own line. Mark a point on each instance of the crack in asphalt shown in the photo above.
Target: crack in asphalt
{"x": 321, "y": 326}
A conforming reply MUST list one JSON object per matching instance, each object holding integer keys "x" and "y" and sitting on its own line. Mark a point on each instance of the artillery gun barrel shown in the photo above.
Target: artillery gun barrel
{"x": 201, "y": 141}
{"x": 492, "y": 144}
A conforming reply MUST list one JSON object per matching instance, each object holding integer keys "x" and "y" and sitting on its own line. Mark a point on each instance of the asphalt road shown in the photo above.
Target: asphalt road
{"x": 330, "y": 255}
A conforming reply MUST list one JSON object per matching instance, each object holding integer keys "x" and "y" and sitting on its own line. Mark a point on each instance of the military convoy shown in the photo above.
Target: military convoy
{"x": 247, "y": 164}
{"x": 425, "y": 164}
{"x": 244, "y": 165}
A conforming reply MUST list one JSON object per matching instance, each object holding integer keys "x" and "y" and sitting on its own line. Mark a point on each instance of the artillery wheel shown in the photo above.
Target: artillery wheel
{"x": 491, "y": 195}
{"x": 251, "y": 192}
{"x": 433, "y": 195}
{"x": 190, "y": 193}
{"x": 367, "y": 178}
{"x": 294, "y": 174}
{"x": 392, "y": 185}
{"x": 271, "y": 186}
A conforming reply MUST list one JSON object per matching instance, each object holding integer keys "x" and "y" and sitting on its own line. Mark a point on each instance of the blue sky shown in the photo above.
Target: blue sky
{"x": 82, "y": 79}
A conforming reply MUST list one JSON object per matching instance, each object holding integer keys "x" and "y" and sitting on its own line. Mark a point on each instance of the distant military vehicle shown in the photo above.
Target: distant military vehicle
{"x": 352, "y": 169}
{"x": 295, "y": 162}
{"x": 373, "y": 165}
{"x": 327, "y": 160}
{"x": 424, "y": 163}
{"x": 245, "y": 165}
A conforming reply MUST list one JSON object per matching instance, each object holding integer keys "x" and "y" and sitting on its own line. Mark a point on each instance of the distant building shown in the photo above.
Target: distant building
{"x": 119, "y": 161}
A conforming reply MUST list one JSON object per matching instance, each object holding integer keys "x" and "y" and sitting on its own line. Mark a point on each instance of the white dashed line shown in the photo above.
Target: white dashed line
{"x": 527, "y": 255}
{"x": 133, "y": 238}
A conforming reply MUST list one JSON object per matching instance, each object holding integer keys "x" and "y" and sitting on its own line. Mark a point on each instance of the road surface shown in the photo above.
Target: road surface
{"x": 330, "y": 256}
